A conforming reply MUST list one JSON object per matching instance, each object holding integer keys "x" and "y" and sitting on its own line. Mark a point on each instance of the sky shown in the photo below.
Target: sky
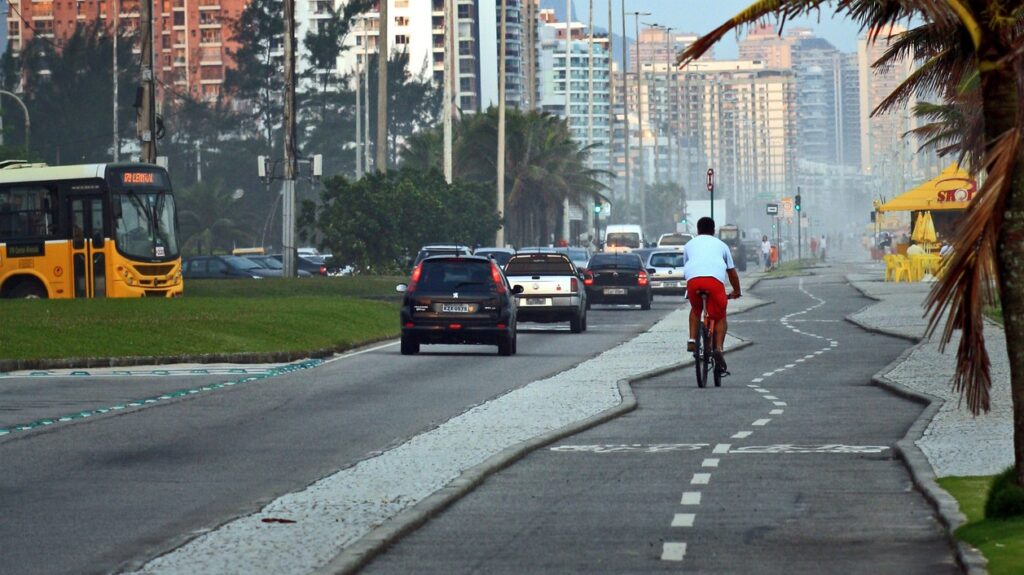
{"x": 701, "y": 16}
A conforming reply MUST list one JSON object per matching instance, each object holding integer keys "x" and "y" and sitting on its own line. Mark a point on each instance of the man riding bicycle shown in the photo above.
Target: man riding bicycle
{"x": 707, "y": 261}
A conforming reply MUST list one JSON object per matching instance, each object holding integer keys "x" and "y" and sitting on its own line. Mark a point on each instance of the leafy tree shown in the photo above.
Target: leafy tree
{"x": 665, "y": 205}
{"x": 205, "y": 211}
{"x": 378, "y": 222}
{"x": 257, "y": 79}
{"x": 414, "y": 100}
{"x": 962, "y": 38}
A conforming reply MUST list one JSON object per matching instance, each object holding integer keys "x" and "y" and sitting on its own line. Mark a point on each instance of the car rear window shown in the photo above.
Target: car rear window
{"x": 539, "y": 264}
{"x": 456, "y": 275}
{"x": 617, "y": 261}
{"x": 675, "y": 240}
{"x": 666, "y": 260}
{"x": 623, "y": 239}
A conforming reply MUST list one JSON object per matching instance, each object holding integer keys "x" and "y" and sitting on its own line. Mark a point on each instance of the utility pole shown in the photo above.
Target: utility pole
{"x": 611, "y": 87}
{"x": 531, "y": 54}
{"x": 625, "y": 111}
{"x": 590, "y": 82}
{"x": 288, "y": 199}
{"x": 500, "y": 237}
{"x": 382, "y": 88}
{"x": 366, "y": 96}
{"x": 640, "y": 121}
{"x": 446, "y": 112}
{"x": 670, "y": 93}
{"x": 568, "y": 104}
{"x": 116, "y": 7}
{"x": 359, "y": 110}
{"x": 652, "y": 90}
{"x": 146, "y": 119}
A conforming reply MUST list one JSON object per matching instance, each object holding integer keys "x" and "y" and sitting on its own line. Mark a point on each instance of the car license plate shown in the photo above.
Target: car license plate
{"x": 614, "y": 291}
{"x": 536, "y": 301}
{"x": 455, "y": 307}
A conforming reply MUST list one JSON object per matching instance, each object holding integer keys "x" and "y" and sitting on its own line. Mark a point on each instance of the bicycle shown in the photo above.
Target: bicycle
{"x": 704, "y": 352}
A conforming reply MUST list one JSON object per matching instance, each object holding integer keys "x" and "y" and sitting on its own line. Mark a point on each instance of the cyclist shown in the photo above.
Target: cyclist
{"x": 707, "y": 262}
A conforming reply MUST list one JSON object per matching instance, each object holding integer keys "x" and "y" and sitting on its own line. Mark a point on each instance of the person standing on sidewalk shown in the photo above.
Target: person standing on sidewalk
{"x": 707, "y": 261}
{"x": 766, "y": 253}
{"x": 822, "y": 245}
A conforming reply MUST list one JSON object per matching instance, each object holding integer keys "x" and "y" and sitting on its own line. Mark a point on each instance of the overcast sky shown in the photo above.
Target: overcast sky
{"x": 701, "y": 16}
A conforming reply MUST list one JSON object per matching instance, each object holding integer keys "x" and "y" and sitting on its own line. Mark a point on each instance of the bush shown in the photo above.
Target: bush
{"x": 1005, "y": 497}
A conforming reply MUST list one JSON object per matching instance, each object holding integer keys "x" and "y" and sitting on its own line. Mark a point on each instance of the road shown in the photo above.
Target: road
{"x": 788, "y": 468}
{"x": 110, "y": 491}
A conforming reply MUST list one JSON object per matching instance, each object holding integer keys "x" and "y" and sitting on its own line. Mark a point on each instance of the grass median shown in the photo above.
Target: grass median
{"x": 214, "y": 317}
{"x": 1000, "y": 540}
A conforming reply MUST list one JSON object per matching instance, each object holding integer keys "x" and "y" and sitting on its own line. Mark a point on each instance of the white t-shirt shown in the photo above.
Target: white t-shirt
{"x": 766, "y": 247}
{"x": 707, "y": 256}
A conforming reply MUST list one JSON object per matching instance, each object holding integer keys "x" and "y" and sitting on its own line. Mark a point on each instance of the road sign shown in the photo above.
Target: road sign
{"x": 805, "y": 222}
{"x": 773, "y": 209}
{"x": 787, "y": 207}
{"x": 711, "y": 180}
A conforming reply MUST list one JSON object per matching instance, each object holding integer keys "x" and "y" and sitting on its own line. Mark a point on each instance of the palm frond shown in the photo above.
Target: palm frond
{"x": 970, "y": 277}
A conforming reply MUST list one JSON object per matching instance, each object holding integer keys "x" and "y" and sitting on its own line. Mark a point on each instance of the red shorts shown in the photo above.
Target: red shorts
{"x": 717, "y": 300}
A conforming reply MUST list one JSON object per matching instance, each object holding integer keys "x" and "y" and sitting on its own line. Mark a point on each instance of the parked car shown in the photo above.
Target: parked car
{"x": 272, "y": 263}
{"x": 674, "y": 241}
{"x": 665, "y": 268}
{"x": 499, "y": 255}
{"x": 313, "y": 267}
{"x": 223, "y": 267}
{"x": 552, "y": 289}
{"x": 431, "y": 250}
{"x": 618, "y": 278}
{"x": 464, "y": 299}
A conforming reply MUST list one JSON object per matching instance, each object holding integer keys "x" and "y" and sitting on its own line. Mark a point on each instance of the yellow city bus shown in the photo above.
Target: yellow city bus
{"x": 93, "y": 230}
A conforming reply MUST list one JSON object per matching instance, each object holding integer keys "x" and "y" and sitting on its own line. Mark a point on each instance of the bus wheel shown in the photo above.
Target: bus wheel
{"x": 29, "y": 290}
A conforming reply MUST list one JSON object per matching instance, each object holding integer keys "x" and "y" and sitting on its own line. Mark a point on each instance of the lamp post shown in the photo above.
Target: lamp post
{"x": 24, "y": 109}
{"x": 640, "y": 120}
{"x": 500, "y": 236}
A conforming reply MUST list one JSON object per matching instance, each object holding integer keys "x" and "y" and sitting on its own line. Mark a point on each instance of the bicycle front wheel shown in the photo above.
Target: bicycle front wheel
{"x": 699, "y": 358}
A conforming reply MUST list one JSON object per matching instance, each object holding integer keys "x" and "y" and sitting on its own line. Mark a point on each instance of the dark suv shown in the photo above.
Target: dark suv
{"x": 458, "y": 299}
{"x": 618, "y": 278}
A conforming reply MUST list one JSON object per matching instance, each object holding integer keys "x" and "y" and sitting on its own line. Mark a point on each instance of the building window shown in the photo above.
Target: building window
{"x": 401, "y": 39}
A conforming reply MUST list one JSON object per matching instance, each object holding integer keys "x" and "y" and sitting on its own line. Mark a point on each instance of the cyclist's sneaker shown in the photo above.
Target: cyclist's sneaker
{"x": 691, "y": 345}
{"x": 720, "y": 365}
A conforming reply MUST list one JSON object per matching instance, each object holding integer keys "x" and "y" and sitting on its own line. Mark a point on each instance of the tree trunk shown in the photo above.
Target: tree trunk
{"x": 1001, "y": 102}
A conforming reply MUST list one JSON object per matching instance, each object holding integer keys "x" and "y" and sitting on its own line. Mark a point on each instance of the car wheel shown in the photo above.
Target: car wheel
{"x": 576, "y": 323}
{"x": 588, "y": 303}
{"x": 409, "y": 345}
{"x": 646, "y": 304}
{"x": 507, "y": 343}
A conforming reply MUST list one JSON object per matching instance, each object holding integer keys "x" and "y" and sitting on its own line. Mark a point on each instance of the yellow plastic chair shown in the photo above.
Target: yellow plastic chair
{"x": 890, "y": 267}
{"x": 917, "y": 267}
{"x": 903, "y": 270}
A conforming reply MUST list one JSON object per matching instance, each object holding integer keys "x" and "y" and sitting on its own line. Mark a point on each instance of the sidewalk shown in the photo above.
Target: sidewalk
{"x": 359, "y": 509}
{"x": 955, "y": 442}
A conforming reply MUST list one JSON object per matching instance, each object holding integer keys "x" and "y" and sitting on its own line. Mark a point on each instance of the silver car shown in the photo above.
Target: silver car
{"x": 666, "y": 270}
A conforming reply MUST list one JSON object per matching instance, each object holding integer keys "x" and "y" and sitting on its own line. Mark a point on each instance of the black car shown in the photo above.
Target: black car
{"x": 223, "y": 267}
{"x": 272, "y": 263}
{"x": 315, "y": 268}
{"x": 455, "y": 300}
{"x": 618, "y": 278}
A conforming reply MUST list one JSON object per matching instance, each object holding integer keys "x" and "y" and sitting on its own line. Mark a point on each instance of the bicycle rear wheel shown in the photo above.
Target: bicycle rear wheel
{"x": 700, "y": 358}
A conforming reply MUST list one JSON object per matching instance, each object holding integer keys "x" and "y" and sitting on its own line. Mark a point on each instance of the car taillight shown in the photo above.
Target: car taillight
{"x": 499, "y": 283}
{"x": 574, "y": 285}
{"x": 588, "y": 279}
{"x": 414, "y": 279}
{"x": 641, "y": 278}
{"x": 323, "y": 270}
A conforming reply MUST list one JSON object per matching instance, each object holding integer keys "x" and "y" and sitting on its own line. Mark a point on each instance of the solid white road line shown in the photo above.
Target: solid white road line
{"x": 673, "y": 551}
{"x": 360, "y": 352}
{"x": 710, "y": 462}
{"x": 742, "y": 435}
{"x": 775, "y": 412}
{"x": 761, "y": 422}
{"x": 721, "y": 448}
{"x": 690, "y": 498}
{"x": 683, "y": 520}
{"x": 700, "y": 479}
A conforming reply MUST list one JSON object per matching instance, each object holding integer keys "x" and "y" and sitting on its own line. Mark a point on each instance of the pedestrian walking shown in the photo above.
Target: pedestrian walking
{"x": 766, "y": 253}
{"x": 822, "y": 246}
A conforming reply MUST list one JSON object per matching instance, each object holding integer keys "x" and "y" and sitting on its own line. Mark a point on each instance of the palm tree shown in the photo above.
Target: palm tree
{"x": 205, "y": 214}
{"x": 963, "y": 37}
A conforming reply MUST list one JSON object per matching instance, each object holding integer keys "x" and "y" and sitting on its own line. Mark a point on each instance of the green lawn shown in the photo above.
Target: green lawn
{"x": 213, "y": 317}
{"x": 1002, "y": 542}
{"x": 790, "y": 269}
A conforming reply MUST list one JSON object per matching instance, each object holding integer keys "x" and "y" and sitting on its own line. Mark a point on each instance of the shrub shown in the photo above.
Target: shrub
{"x": 1005, "y": 496}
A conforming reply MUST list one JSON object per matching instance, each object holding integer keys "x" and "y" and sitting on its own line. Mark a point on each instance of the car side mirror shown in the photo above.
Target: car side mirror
{"x": 517, "y": 289}
{"x": 401, "y": 288}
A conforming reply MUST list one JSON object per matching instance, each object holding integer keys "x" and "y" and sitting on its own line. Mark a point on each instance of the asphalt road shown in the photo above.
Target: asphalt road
{"x": 787, "y": 471}
{"x": 108, "y": 492}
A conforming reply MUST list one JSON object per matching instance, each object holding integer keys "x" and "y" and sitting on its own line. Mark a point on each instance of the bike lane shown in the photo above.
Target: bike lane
{"x": 788, "y": 468}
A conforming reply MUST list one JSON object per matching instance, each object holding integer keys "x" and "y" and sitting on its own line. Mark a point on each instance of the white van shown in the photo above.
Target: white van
{"x": 623, "y": 238}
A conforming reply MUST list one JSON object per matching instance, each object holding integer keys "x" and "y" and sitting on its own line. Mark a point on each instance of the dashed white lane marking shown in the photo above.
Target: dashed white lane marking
{"x": 761, "y": 422}
{"x": 721, "y": 448}
{"x": 761, "y": 390}
{"x": 780, "y": 403}
{"x": 809, "y": 356}
{"x": 743, "y": 435}
{"x": 673, "y": 551}
{"x": 768, "y": 374}
{"x": 683, "y": 520}
{"x": 775, "y": 412}
{"x": 756, "y": 380}
{"x": 801, "y": 360}
{"x": 770, "y": 397}
{"x": 690, "y": 498}
{"x": 819, "y": 352}
{"x": 700, "y": 479}
{"x": 710, "y": 462}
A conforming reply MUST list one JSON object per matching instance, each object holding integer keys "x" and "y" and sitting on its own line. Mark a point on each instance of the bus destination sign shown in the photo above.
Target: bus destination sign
{"x": 138, "y": 178}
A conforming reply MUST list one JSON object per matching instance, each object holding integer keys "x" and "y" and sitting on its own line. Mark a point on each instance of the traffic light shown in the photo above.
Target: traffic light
{"x": 597, "y": 206}
{"x": 796, "y": 203}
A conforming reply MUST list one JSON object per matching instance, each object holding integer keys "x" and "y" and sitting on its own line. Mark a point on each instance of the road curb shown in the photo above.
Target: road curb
{"x": 359, "y": 554}
{"x": 9, "y": 365}
{"x": 970, "y": 560}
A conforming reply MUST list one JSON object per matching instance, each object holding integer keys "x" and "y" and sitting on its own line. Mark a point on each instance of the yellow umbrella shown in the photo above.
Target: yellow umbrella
{"x": 928, "y": 233}
{"x": 918, "y": 228}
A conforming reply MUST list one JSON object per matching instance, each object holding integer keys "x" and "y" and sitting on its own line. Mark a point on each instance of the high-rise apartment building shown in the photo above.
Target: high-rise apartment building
{"x": 192, "y": 38}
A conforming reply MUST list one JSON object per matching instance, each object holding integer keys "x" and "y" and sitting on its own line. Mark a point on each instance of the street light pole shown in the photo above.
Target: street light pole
{"x": 288, "y": 199}
{"x": 625, "y": 112}
{"x": 24, "y": 109}
{"x": 568, "y": 105}
{"x": 116, "y": 7}
{"x": 383, "y": 41}
{"x": 359, "y": 110}
{"x": 447, "y": 105}
{"x": 640, "y": 121}
{"x": 500, "y": 236}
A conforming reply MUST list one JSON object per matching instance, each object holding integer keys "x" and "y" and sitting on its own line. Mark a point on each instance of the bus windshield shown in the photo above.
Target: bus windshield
{"x": 145, "y": 225}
